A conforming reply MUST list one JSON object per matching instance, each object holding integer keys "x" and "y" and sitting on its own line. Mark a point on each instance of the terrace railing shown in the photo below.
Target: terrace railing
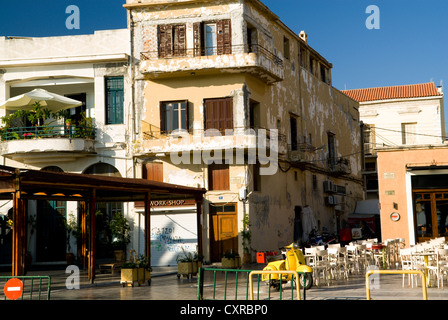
{"x": 46, "y": 132}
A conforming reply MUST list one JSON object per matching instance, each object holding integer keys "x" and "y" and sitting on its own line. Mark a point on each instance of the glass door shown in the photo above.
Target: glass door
{"x": 431, "y": 215}
{"x": 210, "y": 39}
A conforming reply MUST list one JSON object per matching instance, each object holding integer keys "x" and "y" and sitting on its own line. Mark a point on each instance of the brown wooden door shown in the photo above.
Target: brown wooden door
{"x": 223, "y": 230}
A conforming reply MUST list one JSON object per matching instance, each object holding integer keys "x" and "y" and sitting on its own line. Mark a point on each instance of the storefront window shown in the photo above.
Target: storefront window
{"x": 431, "y": 215}
{"x": 423, "y": 216}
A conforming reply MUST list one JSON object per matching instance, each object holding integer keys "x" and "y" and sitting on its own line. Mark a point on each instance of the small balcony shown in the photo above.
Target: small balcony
{"x": 301, "y": 153}
{"x": 253, "y": 59}
{"x": 38, "y": 144}
{"x": 339, "y": 166}
{"x": 259, "y": 140}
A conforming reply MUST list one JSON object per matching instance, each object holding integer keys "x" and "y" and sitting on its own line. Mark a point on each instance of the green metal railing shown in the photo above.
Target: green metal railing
{"x": 58, "y": 131}
{"x": 227, "y": 283}
{"x": 33, "y": 286}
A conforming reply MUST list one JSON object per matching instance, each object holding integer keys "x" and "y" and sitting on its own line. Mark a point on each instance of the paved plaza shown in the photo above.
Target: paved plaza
{"x": 165, "y": 285}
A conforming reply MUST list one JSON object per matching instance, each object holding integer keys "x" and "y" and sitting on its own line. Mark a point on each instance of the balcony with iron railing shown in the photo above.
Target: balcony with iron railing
{"x": 339, "y": 166}
{"x": 36, "y": 144}
{"x": 253, "y": 59}
{"x": 156, "y": 141}
{"x": 301, "y": 153}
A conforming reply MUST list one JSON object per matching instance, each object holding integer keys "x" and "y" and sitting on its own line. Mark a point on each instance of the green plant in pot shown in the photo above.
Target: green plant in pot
{"x": 136, "y": 269}
{"x": 121, "y": 236}
{"x": 231, "y": 260}
{"x": 185, "y": 263}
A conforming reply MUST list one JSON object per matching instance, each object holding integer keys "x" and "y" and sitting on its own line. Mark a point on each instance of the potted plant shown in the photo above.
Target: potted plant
{"x": 145, "y": 269}
{"x": 184, "y": 264}
{"x": 231, "y": 260}
{"x": 137, "y": 269}
{"x": 197, "y": 262}
{"x": 121, "y": 237}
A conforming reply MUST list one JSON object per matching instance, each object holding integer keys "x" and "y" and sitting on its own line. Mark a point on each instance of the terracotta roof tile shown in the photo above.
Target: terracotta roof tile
{"x": 395, "y": 92}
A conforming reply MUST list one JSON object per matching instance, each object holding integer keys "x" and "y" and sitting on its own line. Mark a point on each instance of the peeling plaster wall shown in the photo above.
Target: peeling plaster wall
{"x": 318, "y": 107}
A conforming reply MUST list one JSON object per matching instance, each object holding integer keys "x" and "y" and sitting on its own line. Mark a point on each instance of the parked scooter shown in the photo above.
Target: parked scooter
{"x": 293, "y": 260}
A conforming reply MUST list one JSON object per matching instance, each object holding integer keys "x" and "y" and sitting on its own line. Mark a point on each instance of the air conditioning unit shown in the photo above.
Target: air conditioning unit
{"x": 328, "y": 186}
{"x": 331, "y": 200}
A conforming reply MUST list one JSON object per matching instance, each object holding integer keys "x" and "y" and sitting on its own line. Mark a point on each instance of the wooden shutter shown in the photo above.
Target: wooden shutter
{"x": 180, "y": 44}
{"x": 165, "y": 35}
{"x": 224, "y": 36}
{"x": 219, "y": 114}
{"x": 153, "y": 171}
{"x": 218, "y": 177}
{"x": 197, "y": 38}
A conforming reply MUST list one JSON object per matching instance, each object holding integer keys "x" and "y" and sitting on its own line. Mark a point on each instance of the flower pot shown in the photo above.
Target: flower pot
{"x": 129, "y": 276}
{"x": 143, "y": 275}
{"x": 185, "y": 267}
{"x": 231, "y": 263}
{"x": 247, "y": 258}
{"x": 119, "y": 255}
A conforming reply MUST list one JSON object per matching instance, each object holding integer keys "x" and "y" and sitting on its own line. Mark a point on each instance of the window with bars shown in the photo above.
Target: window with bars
{"x": 114, "y": 100}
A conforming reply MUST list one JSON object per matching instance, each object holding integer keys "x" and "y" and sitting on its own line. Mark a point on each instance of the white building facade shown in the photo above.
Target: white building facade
{"x": 92, "y": 69}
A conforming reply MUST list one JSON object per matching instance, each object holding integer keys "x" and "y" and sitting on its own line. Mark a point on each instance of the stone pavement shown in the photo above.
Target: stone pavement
{"x": 165, "y": 285}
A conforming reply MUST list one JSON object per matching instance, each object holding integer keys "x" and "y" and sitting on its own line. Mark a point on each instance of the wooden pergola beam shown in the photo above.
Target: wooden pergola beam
{"x": 21, "y": 185}
{"x": 92, "y": 236}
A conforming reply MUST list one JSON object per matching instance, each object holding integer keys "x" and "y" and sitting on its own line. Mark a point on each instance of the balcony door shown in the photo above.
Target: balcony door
{"x": 210, "y": 39}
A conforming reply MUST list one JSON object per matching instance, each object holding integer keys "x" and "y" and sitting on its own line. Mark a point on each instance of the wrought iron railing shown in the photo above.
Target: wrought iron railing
{"x": 212, "y": 51}
{"x": 45, "y": 132}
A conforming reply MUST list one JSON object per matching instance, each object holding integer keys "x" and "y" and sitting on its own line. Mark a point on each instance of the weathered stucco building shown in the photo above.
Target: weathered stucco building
{"x": 228, "y": 98}
{"x": 406, "y": 155}
{"x": 92, "y": 69}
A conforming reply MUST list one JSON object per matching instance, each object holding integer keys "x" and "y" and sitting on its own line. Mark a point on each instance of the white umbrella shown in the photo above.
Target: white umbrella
{"x": 49, "y": 100}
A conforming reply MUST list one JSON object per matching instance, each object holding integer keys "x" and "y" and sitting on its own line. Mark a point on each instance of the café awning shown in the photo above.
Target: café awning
{"x": 20, "y": 185}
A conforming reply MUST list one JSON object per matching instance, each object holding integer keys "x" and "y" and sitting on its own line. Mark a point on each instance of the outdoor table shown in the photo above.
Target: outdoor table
{"x": 425, "y": 256}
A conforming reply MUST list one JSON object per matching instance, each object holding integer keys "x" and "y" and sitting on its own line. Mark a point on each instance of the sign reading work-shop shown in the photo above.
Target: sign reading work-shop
{"x": 173, "y": 230}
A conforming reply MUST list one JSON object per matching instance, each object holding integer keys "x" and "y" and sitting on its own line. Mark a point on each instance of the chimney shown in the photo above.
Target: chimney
{"x": 303, "y": 36}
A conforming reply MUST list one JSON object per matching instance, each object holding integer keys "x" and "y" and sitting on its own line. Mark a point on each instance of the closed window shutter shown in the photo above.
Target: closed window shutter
{"x": 219, "y": 178}
{"x": 219, "y": 114}
{"x": 224, "y": 36}
{"x": 153, "y": 171}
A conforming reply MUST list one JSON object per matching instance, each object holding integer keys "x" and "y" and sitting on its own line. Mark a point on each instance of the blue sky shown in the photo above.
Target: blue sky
{"x": 410, "y": 46}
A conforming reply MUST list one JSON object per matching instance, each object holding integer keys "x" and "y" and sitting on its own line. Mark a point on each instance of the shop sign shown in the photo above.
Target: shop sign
{"x": 171, "y": 203}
